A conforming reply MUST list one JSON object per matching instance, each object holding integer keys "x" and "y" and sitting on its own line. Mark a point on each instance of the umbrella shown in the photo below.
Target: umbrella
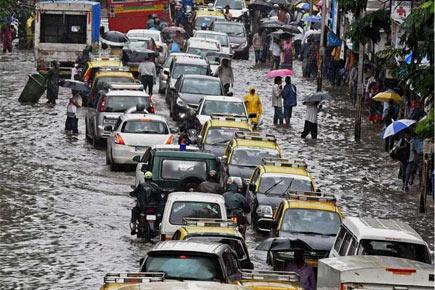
{"x": 282, "y": 34}
{"x": 388, "y": 96}
{"x": 290, "y": 29}
{"x": 114, "y": 38}
{"x": 318, "y": 97}
{"x": 397, "y": 126}
{"x": 173, "y": 29}
{"x": 283, "y": 244}
{"x": 279, "y": 2}
{"x": 74, "y": 85}
{"x": 260, "y": 6}
{"x": 306, "y": 6}
{"x": 279, "y": 73}
{"x": 312, "y": 18}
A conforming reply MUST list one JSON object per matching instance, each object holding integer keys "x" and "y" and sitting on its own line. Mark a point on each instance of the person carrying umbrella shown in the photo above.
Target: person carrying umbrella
{"x": 289, "y": 95}
{"x": 304, "y": 271}
{"x": 275, "y": 49}
{"x": 277, "y": 101}
{"x": 253, "y": 105}
{"x": 7, "y": 35}
{"x": 310, "y": 126}
{"x": 275, "y": 11}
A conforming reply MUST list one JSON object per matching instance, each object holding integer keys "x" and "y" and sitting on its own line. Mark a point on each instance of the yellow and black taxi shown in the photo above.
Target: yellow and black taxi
{"x": 270, "y": 183}
{"x": 219, "y": 130}
{"x": 245, "y": 152}
{"x": 206, "y": 16}
{"x": 97, "y": 63}
{"x": 311, "y": 217}
{"x": 211, "y": 230}
{"x": 270, "y": 280}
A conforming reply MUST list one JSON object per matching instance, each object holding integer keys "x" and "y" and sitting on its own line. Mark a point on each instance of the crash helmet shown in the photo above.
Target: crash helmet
{"x": 148, "y": 175}
{"x": 204, "y": 26}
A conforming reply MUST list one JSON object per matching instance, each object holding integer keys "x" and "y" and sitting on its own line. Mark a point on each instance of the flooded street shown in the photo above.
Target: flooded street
{"x": 64, "y": 217}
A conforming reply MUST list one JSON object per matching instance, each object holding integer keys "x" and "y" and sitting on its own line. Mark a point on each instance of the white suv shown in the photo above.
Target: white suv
{"x": 379, "y": 237}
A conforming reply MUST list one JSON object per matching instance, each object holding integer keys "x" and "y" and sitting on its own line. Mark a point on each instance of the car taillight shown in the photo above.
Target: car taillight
{"x": 102, "y": 104}
{"x": 401, "y": 271}
{"x": 170, "y": 140}
{"x": 151, "y": 110}
{"x": 119, "y": 140}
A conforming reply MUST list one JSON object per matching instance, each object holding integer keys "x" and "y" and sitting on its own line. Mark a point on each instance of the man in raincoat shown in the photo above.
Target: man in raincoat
{"x": 253, "y": 105}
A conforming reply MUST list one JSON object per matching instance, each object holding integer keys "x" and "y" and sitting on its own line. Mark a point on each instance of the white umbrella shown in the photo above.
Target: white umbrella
{"x": 397, "y": 126}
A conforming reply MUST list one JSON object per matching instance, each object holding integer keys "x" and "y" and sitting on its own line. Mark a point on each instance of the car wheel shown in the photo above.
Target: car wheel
{"x": 107, "y": 158}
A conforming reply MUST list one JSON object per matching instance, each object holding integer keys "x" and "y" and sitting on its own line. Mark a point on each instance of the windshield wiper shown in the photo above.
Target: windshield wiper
{"x": 273, "y": 186}
{"x": 219, "y": 142}
{"x": 308, "y": 233}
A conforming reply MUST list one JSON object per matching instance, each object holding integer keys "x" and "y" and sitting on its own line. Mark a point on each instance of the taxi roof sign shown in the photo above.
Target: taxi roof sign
{"x": 139, "y": 277}
{"x": 115, "y": 68}
{"x": 124, "y": 86}
{"x": 94, "y": 57}
{"x": 227, "y": 117}
{"x": 312, "y": 196}
{"x": 269, "y": 276}
{"x": 207, "y": 222}
{"x": 255, "y": 136}
{"x": 296, "y": 163}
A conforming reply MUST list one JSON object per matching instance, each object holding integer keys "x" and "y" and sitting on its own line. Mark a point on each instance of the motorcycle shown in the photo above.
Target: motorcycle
{"x": 147, "y": 223}
{"x": 238, "y": 217}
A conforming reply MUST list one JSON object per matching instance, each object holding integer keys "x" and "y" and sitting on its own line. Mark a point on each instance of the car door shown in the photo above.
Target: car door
{"x": 252, "y": 189}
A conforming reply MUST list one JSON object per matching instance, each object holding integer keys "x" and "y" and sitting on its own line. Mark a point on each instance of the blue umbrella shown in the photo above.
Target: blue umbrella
{"x": 311, "y": 18}
{"x": 397, "y": 126}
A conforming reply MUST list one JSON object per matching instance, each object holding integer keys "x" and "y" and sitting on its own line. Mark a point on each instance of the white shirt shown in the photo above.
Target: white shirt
{"x": 312, "y": 111}
{"x": 147, "y": 68}
{"x": 276, "y": 50}
{"x": 71, "y": 110}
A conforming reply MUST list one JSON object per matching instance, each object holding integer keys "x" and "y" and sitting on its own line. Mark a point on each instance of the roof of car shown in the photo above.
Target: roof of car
{"x": 312, "y": 204}
{"x": 183, "y": 54}
{"x": 229, "y": 23}
{"x": 135, "y": 116}
{"x": 203, "y": 77}
{"x": 189, "y": 246}
{"x": 230, "y": 124}
{"x": 382, "y": 229}
{"x": 127, "y": 93}
{"x": 255, "y": 143}
{"x": 195, "y": 196}
{"x": 196, "y": 155}
{"x": 172, "y": 147}
{"x": 210, "y": 32}
{"x": 111, "y": 73}
{"x": 213, "y": 231}
{"x": 147, "y": 31}
{"x": 284, "y": 170}
{"x": 104, "y": 62}
{"x": 190, "y": 60}
{"x": 205, "y": 43}
{"x": 223, "y": 99}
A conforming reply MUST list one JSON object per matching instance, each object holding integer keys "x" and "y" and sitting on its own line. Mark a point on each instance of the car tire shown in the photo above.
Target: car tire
{"x": 107, "y": 158}
{"x": 87, "y": 136}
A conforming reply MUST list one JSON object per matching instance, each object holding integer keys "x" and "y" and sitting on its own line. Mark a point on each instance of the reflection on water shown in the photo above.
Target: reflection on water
{"x": 64, "y": 216}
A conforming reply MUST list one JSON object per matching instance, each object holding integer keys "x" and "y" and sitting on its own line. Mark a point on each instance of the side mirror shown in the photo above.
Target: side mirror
{"x": 252, "y": 115}
{"x": 230, "y": 94}
{"x": 136, "y": 158}
{"x": 252, "y": 187}
{"x": 108, "y": 128}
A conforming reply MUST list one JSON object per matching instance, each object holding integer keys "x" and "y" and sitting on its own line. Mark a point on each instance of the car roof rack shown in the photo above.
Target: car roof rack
{"x": 312, "y": 196}
{"x": 254, "y": 136}
{"x": 228, "y": 117}
{"x": 134, "y": 277}
{"x": 296, "y": 163}
{"x": 207, "y": 222}
{"x": 269, "y": 275}
{"x": 96, "y": 57}
{"x": 115, "y": 68}
{"x": 123, "y": 86}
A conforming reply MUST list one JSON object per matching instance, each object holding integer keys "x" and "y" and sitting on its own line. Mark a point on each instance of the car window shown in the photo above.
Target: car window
{"x": 352, "y": 247}
{"x": 310, "y": 221}
{"x": 339, "y": 238}
{"x": 278, "y": 185}
{"x": 221, "y": 135}
{"x": 207, "y": 20}
{"x": 145, "y": 127}
{"x": 200, "y": 51}
{"x": 201, "y": 87}
{"x": 230, "y": 29}
{"x": 193, "y": 209}
{"x": 235, "y": 244}
{"x": 168, "y": 62}
{"x": 185, "y": 267}
{"x": 122, "y": 103}
{"x": 252, "y": 156}
{"x": 234, "y": 4}
{"x": 188, "y": 69}
{"x": 178, "y": 169}
{"x": 221, "y": 107}
{"x": 345, "y": 244}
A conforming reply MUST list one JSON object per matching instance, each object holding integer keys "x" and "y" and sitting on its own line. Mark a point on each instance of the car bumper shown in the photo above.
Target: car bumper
{"x": 240, "y": 52}
{"x": 264, "y": 223}
{"x": 123, "y": 154}
{"x": 101, "y": 133}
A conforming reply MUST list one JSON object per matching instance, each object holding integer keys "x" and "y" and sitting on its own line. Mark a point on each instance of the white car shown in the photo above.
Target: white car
{"x": 202, "y": 46}
{"x": 237, "y": 7}
{"x": 182, "y": 205}
{"x": 220, "y": 105}
{"x": 223, "y": 39}
{"x": 154, "y": 34}
{"x": 133, "y": 134}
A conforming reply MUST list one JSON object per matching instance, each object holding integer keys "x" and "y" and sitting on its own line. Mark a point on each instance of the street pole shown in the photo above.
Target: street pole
{"x": 322, "y": 47}
{"x": 360, "y": 90}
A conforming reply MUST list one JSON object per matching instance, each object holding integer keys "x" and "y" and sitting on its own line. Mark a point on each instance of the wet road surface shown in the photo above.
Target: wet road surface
{"x": 64, "y": 216}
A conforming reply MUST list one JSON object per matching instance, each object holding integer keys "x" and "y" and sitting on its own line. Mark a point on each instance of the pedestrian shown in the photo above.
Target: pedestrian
{"x": 277, "y": 101}
{"x": 313, "y": 50}
{"x": 289, "y": 95}
{"x": 225, "y": 74}
{"x": 304, "y": 271}
{"x": 402, "y": 149}
{"x": 287, "y": 51}
{"x": 414, "y": 161}
{"x": 353, "y": 83}
{"x": 211, "y": 184}
{"x": 227, "y": 14}
{"x": 70, "y": 123}
{"x": 388, "y": 116}
{"x": 275, "y": 49}
{"x": 310, "y": 126}
{"x": 257, "y": 44}
{"x": 253, "y": 106}
{"x": 179, "y": 39}
{"x": 274, "y": 12}
{"x": 52, "y": 79}
{"x": 7, "y": 36}
{"x": 148, "y": 74}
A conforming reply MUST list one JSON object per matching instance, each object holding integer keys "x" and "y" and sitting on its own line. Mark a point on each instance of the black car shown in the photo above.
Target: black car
{"x": 239, "y": 38}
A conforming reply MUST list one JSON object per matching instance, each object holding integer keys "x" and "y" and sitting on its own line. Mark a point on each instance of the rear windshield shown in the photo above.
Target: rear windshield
{"x": 99, "y": 83}
{"x": 184, "y": 267}
{"x": 201, "y": 87}
{"x": 235, "y": 244}
{"x": 178, "y": 169}
{"x": 410, "y": 251}
{"x": 122, "y": 103}
{"x": 187, "y": 69}
{"x": 223, "y": 39}
{"x": 230, "y": 29}
{"x": 145, "y": 127}
{"x": 193, "y": 209}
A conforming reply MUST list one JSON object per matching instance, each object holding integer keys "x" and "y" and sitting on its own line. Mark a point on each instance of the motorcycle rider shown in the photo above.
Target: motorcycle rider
{"x": 189, "y": 122}
{"x": 147, "y": 193}
{"x": 234, "y": 200}
{"x": 210, "y": 185}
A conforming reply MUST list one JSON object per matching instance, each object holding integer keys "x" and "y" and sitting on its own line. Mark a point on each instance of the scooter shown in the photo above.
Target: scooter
{"x": 238, "y": 217}
{"x": 147, "y": 223}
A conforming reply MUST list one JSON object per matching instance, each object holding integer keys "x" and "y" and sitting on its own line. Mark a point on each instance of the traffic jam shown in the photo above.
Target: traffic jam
{"x": 206, "y": 175}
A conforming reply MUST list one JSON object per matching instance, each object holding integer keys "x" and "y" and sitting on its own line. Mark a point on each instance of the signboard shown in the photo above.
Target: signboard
{"x": 400, "y": 10}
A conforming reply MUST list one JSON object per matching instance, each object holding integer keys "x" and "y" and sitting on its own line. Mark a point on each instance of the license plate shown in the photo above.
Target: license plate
{"x": 151, "y": 217}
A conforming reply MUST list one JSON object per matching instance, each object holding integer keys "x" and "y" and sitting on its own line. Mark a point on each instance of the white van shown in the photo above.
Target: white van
{"x": 181, "y": 205}
{"x": 373, "y": 273}
{"x": 379, "y": 237}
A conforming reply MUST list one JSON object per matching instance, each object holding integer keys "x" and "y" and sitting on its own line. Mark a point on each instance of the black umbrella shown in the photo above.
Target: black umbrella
{"x": 290, "y": 28}
{"x": 260, "y": 6}
{"x": 283, "y": 244}
{"x": 114, "y": 38}
{"x": 279, "y": 2}
{"x": 74, "y": 85}
{"x": 314, "y": 36}
{"x": 318, "y": 97}
{"x": 282, "y": 34}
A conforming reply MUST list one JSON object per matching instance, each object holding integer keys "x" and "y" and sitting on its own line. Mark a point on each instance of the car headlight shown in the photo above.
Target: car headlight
{"x": 264, "y": 210}
{"x": 234, "y": 45}
{"x": 181, "y": 103}
{"x": 243, "y": 45}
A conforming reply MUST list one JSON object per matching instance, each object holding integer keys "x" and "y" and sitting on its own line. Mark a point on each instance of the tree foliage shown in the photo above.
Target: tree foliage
{"x": 356, "y": 7}
{"x": 369, "y": 27}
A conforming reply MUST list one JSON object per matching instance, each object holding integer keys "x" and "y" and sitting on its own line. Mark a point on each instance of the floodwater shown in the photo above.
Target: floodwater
{"x": 64, "y": 216}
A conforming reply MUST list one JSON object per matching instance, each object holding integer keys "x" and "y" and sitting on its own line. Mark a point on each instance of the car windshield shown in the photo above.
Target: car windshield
{"x": 193, "y": 209}
{"x": 178, "y": 169}
{"x": 221, "y": 135}
{"x": 234, "y": 4}
{"x": 200, "y": 51}
{"x": 138, "y": 44}
{"x": 278, "y": 185}
{"x": 207, "y": 20}
{"x": 188, "y": 69}
{"x": 310, "y": 221}
{"x": 229, "y": 28}
{"x": 201, "y": 87}
{"x": 184, "y": 267}
{"x": 235, "y": 244}
{"x": 221, "y": 107}
{"x": 223, "y": 39}
{"x": 122, "y": 103}
{"x": 410, "y": 251}
{"x": 146, "y": 34}
{"x": 252, "y": 156}
{"x": 145, "y": 127}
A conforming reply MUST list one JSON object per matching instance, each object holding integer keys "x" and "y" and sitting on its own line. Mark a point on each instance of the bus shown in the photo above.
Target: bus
{"x": 125, "y": 15}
